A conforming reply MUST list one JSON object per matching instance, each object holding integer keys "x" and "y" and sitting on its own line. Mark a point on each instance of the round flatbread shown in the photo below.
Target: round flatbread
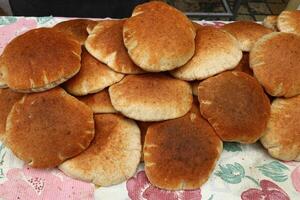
{"x": 289, "y": 21}
{"x": 77, "y": 28}
{"x": 281, "y": 137}
{"x": 40, "y": 59}
{"x": 7, "y": 99}
{"x": 271, "y": 22}
{"x": 181, "y": 153}
{"x": 151, "y": 97}
{"x": 244, "y": 65}
{"x": 275, "y": 62}
{"x": 112, "y": 157}
{"x": 106, "y": 44}
{"x": 216, "y": 51}
{"x": 235, "y": 105}
{"x": 246, "y": 32}
{"x": 44, "y": 129}
{"x": 158, "y": 37}
{"x": 93, "y": 77}
{"x": 99, "y": 102}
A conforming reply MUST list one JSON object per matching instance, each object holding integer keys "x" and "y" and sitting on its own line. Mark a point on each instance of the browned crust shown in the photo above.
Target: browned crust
{"x": 77, "y": 28}
{"x": 235, "y": 105}
{"x": 93, "y": 76}
{"x": 275, "y": 62}
{"x": 181, "y": 153}
{"x": 106, "y": 44}
{"x": 40, "y": 59}
{"x": 99, "y": 102}
{"x": 246, "y": 32}
{"x": 7, "y": 99}
{"x": 244, "y": 65}
{"x": 271, "y": 22}
{"x": 288, "y": 21}
{"x": 143, "y": 127}
{"x": 44, "y": 129}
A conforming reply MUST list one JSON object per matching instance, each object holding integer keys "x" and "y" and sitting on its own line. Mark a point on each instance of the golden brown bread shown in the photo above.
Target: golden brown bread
{"x": 99, "y": 102}
{"x": 282, "y": 134}
{"x": 215, "y": 51}
{"x": 246, "y": 32}
{"x": 243, "y": 65}
{"x": 235, "y": 105}
{"x": 151, "y": 97}
{"x": 40, "y": 59}
{"x": 275, "y": 62}
{"x": 106, "y": 44}
{"x": 181, "y": 153}
{"x": 7, "y": 99}
{"x": 195, "y": 85}
{"x": 113, "y": 155}
{"x": 289, "y": 21}
{"x": 158, "y": 37}
{"x": 44, "y": 129}
{"x": 143, "y": 128}
{"x": 271, "y": 22}
{"x": 93, "y": 76}
{"x": 77, "y": 28}
{"x": 2, "y": 78}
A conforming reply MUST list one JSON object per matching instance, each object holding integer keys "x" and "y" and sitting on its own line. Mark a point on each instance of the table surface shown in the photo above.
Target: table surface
{"x": 243, "y": 172}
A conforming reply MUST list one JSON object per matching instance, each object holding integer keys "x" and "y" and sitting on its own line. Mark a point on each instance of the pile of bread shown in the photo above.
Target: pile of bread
{"x": 96, "y": 98}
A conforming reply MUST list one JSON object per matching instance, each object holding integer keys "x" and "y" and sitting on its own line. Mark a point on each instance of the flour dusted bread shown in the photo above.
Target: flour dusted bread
{"x": 77, "y": 28}
{"x": 113, "y": 155}
{"x": 181, "y": 153}
{"x": 106, "y": 44}
{"x": 99, "y": 102}
{"x": 151, "y": 97}
{"x": 246, "y": 32}
{"x": 7, "y": 99}
{"x": 44, "y": 129}
{"x": 235, "y": 105}
{"x": 93, "y": 77}
{"x": 271, "y": 22}
{"x": 216, "y": 51}
{"x": 40, "y": 59}
{"x": 158, "y": 37}
{"x": 289, "y": 21}
{"x": 275, "y": 62}
{"x": 281, "y": 137}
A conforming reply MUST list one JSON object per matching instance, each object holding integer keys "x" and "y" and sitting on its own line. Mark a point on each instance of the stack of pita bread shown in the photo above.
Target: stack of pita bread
{"x": 96, "y": 98}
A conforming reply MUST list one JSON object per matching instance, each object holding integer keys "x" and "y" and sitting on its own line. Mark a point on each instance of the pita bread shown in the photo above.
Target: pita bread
{"x": 151, "y": 97}
{"x": 243, "y": 65}
{"x": 216, "y": 51}
{"x": 112, "y": 157}
{"x": 143, "y": 128}
{"x": 7, "y": 99}
{"x": 246, "y": 33}
{"x": 39, "y": 60}
{"x": 99, "y": 102}
{"x": 275, "y": 62}
{"x": 93, "y": 77}
{"x": 77, "y": 28}
{"x": 235, "y": 105}
{"x": 181, "y": 154}
{"x": 44, "y": 129}
{"x": 271, "y": 22}
{"x": 289, "y": 21}
{"x": 281, "y": 137}
{"x": 171, "y": 30}
{"x": 105, "y": 43}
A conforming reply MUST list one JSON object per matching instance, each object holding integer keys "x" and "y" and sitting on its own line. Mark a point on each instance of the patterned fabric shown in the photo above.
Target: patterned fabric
{"x": 244, "y": 172}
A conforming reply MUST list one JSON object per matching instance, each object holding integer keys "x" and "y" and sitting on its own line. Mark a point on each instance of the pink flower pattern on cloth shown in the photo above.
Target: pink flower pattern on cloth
{"x": 8, "y": 32}
{"x": 139, "y": 188}
{"x": 37, "y": 184}
{"x": 269, "y": 191}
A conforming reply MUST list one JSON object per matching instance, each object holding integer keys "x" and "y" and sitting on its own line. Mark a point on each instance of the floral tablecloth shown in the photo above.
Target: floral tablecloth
{"x": 244, "y": 172}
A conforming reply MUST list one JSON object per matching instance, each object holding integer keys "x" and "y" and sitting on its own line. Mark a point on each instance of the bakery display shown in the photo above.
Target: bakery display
{"x": 275, "y": 62}
{"x": 113, "y": 155}
{"x": 151, "y": 97}
{"x": 246, "y": 33}
{"x": 39, "y": 60}
{"x": 44, "y": 129}
{"x": 235, "y": 105}
{"x": 216, "y": 51}
{"x": 104, "y": 96}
